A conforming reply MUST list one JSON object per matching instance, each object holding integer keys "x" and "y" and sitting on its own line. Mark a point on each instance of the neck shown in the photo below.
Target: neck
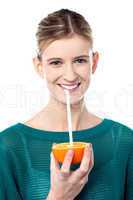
{"x": 57, "y": 113}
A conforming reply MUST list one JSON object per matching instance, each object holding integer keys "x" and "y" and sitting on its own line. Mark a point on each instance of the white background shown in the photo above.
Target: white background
{"x": 23, "y": 93}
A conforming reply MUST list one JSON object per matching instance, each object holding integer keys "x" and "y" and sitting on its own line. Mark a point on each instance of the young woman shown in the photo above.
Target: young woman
{"x": 66, "y": 60}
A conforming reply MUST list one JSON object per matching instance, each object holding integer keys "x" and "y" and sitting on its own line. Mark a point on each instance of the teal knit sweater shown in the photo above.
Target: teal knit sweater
{"x": 25, "y": 161}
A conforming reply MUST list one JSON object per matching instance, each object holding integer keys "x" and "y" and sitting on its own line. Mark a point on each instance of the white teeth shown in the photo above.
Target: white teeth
{"x": 69, "y": 87}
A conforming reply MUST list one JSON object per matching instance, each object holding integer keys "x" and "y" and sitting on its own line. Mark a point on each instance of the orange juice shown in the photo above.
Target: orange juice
{"x": 60, "y": 150}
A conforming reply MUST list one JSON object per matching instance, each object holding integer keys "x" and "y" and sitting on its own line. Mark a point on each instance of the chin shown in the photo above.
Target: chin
{"x": 74, "y": 100}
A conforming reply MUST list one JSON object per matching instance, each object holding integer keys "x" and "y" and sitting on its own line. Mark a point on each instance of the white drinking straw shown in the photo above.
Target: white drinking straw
{"x": 69, "y": 119}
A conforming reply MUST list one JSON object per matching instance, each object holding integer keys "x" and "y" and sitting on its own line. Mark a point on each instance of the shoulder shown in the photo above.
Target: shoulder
{"x": 10, "y": 136}
{"x": 122, "y": 134}
{"x": 121, "y": 128}
{"x": 9, "y": 130}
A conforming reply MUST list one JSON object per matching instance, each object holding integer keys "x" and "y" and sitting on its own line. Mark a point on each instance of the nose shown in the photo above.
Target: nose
{"x": 69, "y": 73}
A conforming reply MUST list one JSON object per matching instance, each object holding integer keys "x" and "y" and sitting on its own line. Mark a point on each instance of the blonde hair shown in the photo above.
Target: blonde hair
{"x": 60, "y": 24}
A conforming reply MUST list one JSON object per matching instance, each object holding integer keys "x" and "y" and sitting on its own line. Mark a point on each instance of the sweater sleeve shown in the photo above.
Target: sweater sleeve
{"x": 8, "y": 186}
{"x": 129, "y": 181}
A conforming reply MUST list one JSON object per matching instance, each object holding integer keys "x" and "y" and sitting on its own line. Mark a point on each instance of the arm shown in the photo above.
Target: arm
{"x": 129, "y": 179}
{"x": 52, "y": 197}
{"x": 8, "y": 188}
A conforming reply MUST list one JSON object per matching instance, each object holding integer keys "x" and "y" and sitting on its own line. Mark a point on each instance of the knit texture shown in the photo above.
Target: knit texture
{"x": 25, "y": 161}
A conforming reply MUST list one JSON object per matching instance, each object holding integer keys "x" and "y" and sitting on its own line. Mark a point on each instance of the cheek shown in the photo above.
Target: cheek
{"x": 51, "y": 75}
{"x": 85, "y": 73}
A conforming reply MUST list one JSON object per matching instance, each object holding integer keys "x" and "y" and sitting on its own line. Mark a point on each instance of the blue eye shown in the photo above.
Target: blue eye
{"x": 55, "y": 63}
{"x": 80, "y": 60}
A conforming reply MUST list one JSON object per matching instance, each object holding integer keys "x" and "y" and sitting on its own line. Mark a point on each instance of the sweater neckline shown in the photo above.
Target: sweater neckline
{"x": 92, "y": 131}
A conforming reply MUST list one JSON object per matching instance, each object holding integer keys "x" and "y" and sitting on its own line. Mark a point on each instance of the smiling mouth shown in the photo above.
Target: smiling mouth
{"x": 70, "y": 88}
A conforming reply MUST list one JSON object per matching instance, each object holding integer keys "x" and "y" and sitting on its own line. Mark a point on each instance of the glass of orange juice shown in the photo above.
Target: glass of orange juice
{"x": 60, "y": 150}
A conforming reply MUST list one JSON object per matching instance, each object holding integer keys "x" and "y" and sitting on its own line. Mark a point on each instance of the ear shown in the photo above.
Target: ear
{"x": 38, "y": 66}
{"x": 95, "y": 61}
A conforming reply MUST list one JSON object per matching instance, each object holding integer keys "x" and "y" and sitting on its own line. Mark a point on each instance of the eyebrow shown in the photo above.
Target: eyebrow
{"x": 81, "y": 56}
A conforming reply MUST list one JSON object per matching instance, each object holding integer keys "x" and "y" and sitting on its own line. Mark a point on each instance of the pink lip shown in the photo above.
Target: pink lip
{"x": 69, "y": 84}
{"x": 72, "y": 90}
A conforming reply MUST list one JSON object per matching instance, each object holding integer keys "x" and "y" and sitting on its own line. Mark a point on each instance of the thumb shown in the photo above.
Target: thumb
{"x": 54, "y": 165}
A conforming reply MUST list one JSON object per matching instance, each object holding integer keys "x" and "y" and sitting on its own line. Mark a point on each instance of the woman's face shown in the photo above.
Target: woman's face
{"x": 67, "y": 64}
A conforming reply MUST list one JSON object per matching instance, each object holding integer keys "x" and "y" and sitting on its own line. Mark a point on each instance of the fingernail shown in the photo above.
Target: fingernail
{"x": 53, "y": 144}
{"x": 89, "y": 147}
{"x": 70, "y": 152}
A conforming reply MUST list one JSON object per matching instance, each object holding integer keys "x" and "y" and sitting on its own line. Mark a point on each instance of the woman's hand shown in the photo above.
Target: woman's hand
{"x": 66, "y": 184}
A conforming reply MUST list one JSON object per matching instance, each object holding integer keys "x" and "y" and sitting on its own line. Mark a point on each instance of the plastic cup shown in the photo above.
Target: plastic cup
{"x": 60, "y": 150}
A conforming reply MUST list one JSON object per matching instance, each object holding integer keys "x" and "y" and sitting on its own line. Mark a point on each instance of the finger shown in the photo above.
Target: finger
{"x": 54, "y": 165}
{"x": 65, "y": 168}
{"x": 84, "y": 180}
{"x": 85, "y": 164}
{"x": 91, "y": 160}
{"x": 54, "y": 162}
{"x": 91, "y": 164}
{"x": 86, "y": 158}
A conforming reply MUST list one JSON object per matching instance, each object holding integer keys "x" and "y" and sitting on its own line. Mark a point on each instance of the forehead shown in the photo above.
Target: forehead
{"x": 67, "y": 47}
